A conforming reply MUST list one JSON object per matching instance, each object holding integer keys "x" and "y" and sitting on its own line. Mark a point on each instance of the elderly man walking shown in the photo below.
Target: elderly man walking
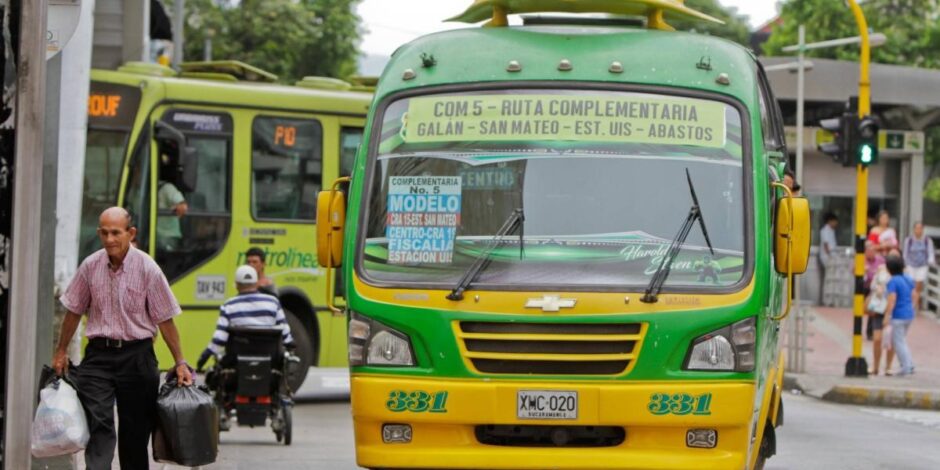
{"x": 126, "y": 299}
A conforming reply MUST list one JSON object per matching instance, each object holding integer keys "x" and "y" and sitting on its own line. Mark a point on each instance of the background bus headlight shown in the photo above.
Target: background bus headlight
{"x": 372, "y": 343}
{"x": 727, "y": 349}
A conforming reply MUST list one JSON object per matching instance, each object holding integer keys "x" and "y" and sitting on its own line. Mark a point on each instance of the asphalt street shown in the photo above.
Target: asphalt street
{"x": 816, "y": 435}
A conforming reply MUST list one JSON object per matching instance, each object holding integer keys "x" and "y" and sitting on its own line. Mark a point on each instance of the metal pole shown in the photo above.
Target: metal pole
{"x": 800, "y": 79}
{"x": 856, "y": 366}
{"x": 207, "y": 50}
{"x": 27, "y": 198}
{"x": 798, "y": 174}
{"x": 45, "y": 294}
{"x": 178, "y": 8}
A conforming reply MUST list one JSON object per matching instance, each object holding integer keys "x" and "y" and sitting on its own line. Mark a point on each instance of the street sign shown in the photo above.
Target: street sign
{"x": 61, "y": 21}
{"x": 904, "y": 141}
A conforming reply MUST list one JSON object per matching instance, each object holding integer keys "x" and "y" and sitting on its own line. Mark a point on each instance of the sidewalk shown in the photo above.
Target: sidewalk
{"x": 830, "y": 346}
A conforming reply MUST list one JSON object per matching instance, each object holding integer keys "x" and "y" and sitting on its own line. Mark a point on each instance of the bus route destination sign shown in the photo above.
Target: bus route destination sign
{"x": 423, "y": 214}
{"x": 644, "y": 119}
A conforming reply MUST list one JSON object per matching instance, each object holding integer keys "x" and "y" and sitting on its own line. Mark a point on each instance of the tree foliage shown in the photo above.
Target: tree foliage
{"x": 911, "y": 27}
{"x": 735, "y": 28}
{"x": 290, "y": 38}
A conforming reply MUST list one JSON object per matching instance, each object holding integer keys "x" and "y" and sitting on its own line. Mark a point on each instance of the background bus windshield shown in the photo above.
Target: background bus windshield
{"x": 600, "y": 177}
{"x": 112, "y": 109}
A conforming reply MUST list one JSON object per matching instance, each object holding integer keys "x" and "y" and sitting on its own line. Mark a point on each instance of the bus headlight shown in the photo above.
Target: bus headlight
{"x": 727, "y": 349}
{"x": 372, "y": 343}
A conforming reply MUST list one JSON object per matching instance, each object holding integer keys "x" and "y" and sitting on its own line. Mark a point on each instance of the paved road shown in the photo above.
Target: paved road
{"x": 821, "y": 435}
{"x": 817, "y": 435}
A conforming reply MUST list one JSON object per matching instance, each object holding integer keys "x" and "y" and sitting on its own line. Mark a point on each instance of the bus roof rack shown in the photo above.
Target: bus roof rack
{"x": 363, "y": 83}
{"x": 323, "y": 83}
{"x": 147, "y": 68}
{"x": 222, "y": 77}
{"x": 237, "y": 69}
{"x": 655, "y": 11}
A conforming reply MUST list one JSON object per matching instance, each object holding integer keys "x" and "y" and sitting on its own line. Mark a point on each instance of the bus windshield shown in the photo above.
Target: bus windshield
{"x": 111, "y": 112}
{"x": 599, "y": 176}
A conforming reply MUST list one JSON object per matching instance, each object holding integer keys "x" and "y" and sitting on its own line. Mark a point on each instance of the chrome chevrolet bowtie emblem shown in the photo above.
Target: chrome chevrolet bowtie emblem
{"x": 550, "y": 303}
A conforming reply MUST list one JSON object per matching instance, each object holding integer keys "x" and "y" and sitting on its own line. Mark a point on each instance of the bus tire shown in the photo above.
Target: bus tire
{"x": 303, "y": 349}
{"x": 768, "y": 447}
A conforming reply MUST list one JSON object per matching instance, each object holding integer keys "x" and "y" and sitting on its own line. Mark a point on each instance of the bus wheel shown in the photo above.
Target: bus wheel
{"x": 304, "y": 350}
{"x": 768, "y": 447}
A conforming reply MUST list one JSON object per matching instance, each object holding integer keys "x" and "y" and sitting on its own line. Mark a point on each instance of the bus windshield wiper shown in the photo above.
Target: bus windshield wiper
{"x": 665, "y": 266}
{"x": 516, "y": 220}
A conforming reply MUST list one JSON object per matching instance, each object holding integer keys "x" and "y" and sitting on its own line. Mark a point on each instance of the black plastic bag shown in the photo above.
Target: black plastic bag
{"x": 187, "y": 431}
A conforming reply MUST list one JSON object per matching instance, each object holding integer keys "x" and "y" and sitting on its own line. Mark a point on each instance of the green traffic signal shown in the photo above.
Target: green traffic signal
{"x": 866, "y": 154}
{"x": 867, "y": 144}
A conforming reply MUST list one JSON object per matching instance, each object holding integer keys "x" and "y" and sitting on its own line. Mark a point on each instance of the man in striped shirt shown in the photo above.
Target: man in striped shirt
{"x": 249, "y": 308}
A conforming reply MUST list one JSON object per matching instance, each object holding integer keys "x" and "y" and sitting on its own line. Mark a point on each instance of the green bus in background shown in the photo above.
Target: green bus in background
{"x": 248, "y": 157}
{"x": 567, "y": 246}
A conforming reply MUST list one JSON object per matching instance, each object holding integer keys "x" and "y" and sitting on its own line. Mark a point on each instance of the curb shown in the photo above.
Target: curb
{"x": 792, "y": 383}
{"x": 885, "y": 397}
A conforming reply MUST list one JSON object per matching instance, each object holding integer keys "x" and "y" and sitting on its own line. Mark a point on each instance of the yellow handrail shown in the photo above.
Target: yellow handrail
{"x": 329, "y": 238}
{"x": 789, "y": 199}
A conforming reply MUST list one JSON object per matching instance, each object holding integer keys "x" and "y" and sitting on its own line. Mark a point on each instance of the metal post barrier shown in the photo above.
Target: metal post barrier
{"x": 797, "y": 334}
{"x": 932, "y": 291}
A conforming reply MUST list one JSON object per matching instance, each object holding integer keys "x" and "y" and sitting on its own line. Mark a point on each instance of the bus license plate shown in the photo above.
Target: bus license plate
{"x": 546, "y": 404}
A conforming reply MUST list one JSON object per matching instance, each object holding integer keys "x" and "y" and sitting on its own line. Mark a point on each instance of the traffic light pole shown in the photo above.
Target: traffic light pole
{"x": 856, "y": 365}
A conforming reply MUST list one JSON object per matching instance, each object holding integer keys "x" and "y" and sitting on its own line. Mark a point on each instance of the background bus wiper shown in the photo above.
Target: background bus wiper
{"x": 665, "y": 266}
{"x": 516, "y": 220}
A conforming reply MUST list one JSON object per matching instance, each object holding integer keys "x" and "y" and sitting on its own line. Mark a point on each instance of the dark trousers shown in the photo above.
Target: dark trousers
{"x": 128, "y": 376}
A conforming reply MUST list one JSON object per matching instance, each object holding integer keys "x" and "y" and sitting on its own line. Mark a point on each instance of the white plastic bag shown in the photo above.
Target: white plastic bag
{"x": 59, "y": 427}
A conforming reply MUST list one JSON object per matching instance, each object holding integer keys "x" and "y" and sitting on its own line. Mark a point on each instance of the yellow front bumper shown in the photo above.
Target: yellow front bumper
{"x": 446, "y": 439}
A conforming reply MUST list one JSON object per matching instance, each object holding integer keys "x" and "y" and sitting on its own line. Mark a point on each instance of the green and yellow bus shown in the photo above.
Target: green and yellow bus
{"x": 518, "y": 294}
{"x": 249, "y": 156}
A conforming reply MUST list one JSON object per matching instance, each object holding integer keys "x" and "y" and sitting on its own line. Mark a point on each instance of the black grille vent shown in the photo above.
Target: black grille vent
{"x": 550, "y": 348}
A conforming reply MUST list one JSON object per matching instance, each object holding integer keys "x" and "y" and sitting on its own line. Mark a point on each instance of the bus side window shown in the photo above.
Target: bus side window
{"x": 770, "y": 118}
{"x": 350, "y": 138}
{"x": 190, "y": 235}
{"x": 286, "y": 168}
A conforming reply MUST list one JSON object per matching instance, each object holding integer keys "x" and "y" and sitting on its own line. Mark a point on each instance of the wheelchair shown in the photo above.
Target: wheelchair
{"x": 250, "y": 381}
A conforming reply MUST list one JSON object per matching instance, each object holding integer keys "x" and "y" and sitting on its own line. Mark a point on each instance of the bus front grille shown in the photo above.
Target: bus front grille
{"x": 550, "y": 348}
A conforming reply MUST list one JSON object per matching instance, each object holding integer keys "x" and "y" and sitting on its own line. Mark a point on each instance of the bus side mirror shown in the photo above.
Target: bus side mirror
{"x": 168, "y": 136}
{"x": 792, "y": 235}
{"x": 331, "y": 220}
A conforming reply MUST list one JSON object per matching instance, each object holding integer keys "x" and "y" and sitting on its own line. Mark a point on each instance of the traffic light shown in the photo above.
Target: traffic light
{"x": 844, "y": 131}
{"x": 866, "y": 148}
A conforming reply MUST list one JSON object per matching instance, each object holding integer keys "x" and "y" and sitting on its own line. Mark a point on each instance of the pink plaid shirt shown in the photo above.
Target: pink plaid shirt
{"x": 126, "y": 304}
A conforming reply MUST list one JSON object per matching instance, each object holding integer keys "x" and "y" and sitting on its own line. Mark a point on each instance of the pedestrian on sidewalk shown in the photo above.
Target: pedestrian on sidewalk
{"x": 827, "y": 248}
{"x": 874, "y": 264}
{"x": 918, "y": 257}
{"x": 900, "y": 311}
{"x": 877, "y": 277}
{"x": 126, "y": 299}
{"x": 883, "y": 235}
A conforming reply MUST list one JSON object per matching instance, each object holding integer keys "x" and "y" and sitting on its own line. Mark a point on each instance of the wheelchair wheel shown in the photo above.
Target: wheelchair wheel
{"x": 288, "y": 424}
{"x": 284, "y": 434}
